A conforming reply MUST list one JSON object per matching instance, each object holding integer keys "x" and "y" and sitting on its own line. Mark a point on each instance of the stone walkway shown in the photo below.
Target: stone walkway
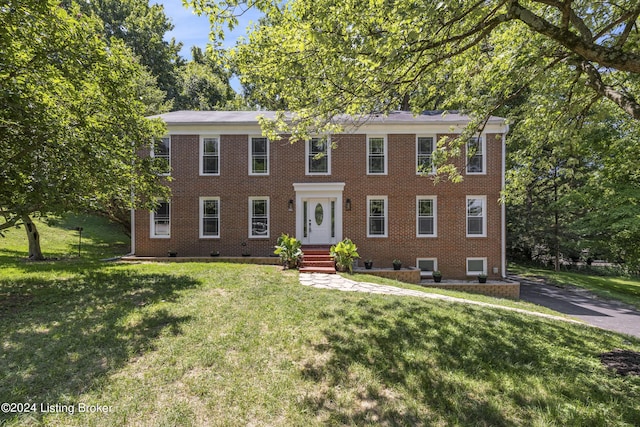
{"x": 340, "y": 283}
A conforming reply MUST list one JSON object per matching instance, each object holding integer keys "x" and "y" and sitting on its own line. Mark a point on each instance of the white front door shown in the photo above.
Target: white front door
{"x": 320, "y": 213}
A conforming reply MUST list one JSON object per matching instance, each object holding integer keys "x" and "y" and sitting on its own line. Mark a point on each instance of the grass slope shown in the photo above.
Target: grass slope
{"x": 225, "y": 344}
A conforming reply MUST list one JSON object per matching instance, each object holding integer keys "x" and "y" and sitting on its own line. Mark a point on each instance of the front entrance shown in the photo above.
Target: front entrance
{"x": 319, "y": 221}
{"x": 319, "y": 212}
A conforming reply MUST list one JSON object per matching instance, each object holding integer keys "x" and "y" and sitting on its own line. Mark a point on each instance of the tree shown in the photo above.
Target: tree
{"x": 142, "y": 28}
{"x": 71, "y": 118}
{"x": 326, "y": 58}
{"x": 202, "y": 84}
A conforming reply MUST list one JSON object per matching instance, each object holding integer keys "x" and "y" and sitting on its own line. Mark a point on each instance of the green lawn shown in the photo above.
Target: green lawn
{"x": 226, "y": 344}
{"x": 624, "y": 289}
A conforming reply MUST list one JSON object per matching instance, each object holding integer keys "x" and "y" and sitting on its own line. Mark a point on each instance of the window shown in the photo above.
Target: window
{"x": 476, "y": 266}
{"x": 424, "y": 152}
{"x": 209, "y": 217}
{"x": 161, "y": 152}
{"x": 318, "y": 157}
{"x": 161, "y": 221}
{"x": 209, "y": 155}
{"x": 426, "y": 216}
{"x": 376, "y": 155}
{"x": 259, "y": 152}
{"x": 259, "y": 217}
{"x": 427, "y": 266}
{"x": 475, "y": 156}
{"x": 377, "y": 216}
{"x": 476, "y": 216}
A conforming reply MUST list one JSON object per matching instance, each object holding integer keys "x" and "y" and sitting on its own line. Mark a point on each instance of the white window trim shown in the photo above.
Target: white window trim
{"x": 484, "y": 215}
{"x": 385, "y": 154}
{"x": 201, "y": 217}
{"x": 251, "y": 172}
{"x": 251, "y": 199}
{"x": 434, "y": 147}
{"x": 152, "y": 223}
{"x": 306, "y": 157}
{"x": 435, "y": 216}
{"x": 427, "y": 273}
{"x": 483, "y": 147}
{"x": 475, "y": 273}
{"x": 153, "y": 147}
{"x": 386, "y": 216}
{"x": 201, "y": 155}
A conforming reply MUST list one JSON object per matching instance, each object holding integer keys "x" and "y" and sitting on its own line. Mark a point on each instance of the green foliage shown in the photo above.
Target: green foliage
{"x": 344, "y": 253}
{"x": 289, "y": 249}
{"x": 71, "y": 115}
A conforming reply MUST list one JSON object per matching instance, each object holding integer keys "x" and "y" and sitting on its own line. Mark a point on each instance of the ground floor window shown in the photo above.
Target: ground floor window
{"x": 377, "y": 216}
{"x": 259, "y": 217}
{"x": 161, "y": 220}
{"x": 209, "y": 217}
{"x": 476, "y": 266}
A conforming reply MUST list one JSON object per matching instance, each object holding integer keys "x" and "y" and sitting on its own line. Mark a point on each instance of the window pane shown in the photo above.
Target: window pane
{"x": 211, "y": 145}
{"x": 426, "y": 264}
{"x": 210, "y": 226}
{"x": 161, "y": 148}
{"x": 259, "y": 165}
{"x": 474, "y": 207}
{"x": 259, "y": 207}
{"x": 318, "y": 156}
{"x": 211, "y": 208}
{"x": 475, "y": 155}
{"x": 376, "y": 145}
{"x": 259, "y": 146}
{"x": 376, "y": 226}
{"x": 376, "y": 164}
{"x": 318, "y": 165}
{"x": 426, "y": 207}
{"x": 475, "y": 225}
{"x": 425, "y": 150}
{"x": 475, "y": 266}
{"x": 210, "y": 164}
{"x": 425, "y": 226}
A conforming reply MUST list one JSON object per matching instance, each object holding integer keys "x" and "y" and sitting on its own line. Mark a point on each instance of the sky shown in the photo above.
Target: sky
{"x": 193, "y": 30}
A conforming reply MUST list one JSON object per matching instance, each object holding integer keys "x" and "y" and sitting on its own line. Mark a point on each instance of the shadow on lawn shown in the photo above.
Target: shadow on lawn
{"x": 461, "y": 366}
{"x": 61, "y": 336}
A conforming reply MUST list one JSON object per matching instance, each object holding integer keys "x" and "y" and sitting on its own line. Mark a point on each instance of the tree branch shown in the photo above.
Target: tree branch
{"x": 623, "y": 100}
{"x": 613, "y": 56}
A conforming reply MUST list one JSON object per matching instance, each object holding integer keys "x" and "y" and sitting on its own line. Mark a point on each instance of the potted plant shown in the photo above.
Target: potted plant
{"x": 173, "y": 253}
{"x": 397, "y": 264}
{"x": 289, "y": 249}
{"x": 437, "y": 276}
{"x": 368, "y": 264}
{"x": 344, "y": 253}
{"x": 215, "y": 253}
{"x": 482, "y": 278}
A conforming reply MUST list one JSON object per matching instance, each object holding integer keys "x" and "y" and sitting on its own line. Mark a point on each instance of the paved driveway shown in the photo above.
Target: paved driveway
{"x": 609, "y": 315}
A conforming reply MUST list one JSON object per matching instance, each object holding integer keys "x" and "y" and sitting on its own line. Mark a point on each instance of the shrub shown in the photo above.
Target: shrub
{"x": 289, "y": 250}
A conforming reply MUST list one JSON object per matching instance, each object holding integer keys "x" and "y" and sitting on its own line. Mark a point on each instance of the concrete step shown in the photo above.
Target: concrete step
{"x": 325, "y": 270}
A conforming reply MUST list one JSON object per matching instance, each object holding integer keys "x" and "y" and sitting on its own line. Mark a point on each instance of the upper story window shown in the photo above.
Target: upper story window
{"x": 376, "y": 155}
{"x": 426, "y": 216}
{"x": 425, "y": 146}
{"x": 377, "y": 216}
{"x": 209, "y": 155}
{"x": 259, "y": 217}
{"x": 476, "y": 216}
{"x": 259, "y": 156}
{"x": 318, "y": 157}
{"x": 161, "y": 220}
{"x": 161, "y": 152}
{"x": 209, "y": 217}
{"x": 475, "y": 156}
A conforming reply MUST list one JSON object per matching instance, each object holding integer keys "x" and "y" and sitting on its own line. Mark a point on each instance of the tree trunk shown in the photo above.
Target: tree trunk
{"x": 35, "y": 253}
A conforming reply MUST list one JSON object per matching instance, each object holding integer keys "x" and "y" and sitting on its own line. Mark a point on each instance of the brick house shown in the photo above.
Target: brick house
{"x": 234, "y": 191}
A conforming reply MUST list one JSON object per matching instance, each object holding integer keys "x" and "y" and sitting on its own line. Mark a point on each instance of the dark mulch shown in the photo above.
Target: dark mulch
{"x": 624, "y": 362}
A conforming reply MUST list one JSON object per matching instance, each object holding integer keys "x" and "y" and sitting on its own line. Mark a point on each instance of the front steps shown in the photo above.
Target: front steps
{"x": 317, "y": 259}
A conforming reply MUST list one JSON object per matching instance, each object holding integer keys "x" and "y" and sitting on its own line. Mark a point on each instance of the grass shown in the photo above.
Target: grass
{"x": 619, "y": 288}
{"x": 225, "y": 344}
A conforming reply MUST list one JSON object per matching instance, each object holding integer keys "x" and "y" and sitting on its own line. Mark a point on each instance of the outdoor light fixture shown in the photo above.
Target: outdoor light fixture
{"x": 290, "y": 205}
{"x": 347, "y": 205}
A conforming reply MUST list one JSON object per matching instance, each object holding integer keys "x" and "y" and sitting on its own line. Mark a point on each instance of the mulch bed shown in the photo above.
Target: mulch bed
{"x": 624, "y": 362}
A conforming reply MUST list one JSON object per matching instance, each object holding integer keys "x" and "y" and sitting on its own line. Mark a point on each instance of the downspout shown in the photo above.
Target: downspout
{"x": 504, "y": 207}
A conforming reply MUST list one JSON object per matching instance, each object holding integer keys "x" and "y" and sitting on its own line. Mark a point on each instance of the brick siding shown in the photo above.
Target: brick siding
{"x": 401, "y": 185}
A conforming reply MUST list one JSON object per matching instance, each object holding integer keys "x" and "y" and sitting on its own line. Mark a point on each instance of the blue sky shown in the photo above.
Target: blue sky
{"x": 193, "y": 30}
